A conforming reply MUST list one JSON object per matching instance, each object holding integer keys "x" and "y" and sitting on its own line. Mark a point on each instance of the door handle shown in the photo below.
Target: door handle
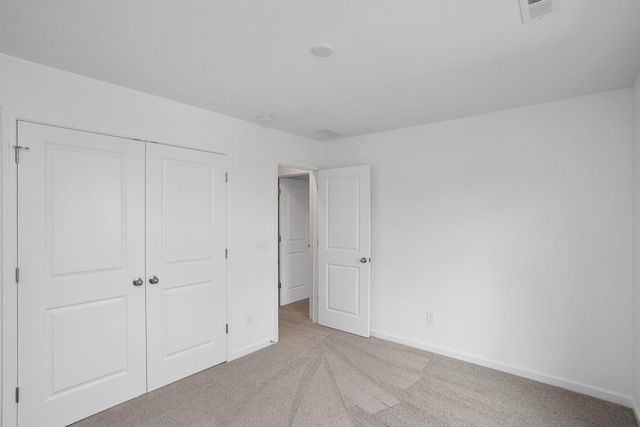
{"x": 363, "y": 260}
{"x": 153, "y": 280}
{"x": 138, "y": 281}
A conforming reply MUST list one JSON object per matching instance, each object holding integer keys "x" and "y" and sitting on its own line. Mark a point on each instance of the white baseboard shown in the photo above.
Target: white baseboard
{"x": 636, "y": 411}
{"x": 522, "y": 372}
{"x": 248, "y": 350}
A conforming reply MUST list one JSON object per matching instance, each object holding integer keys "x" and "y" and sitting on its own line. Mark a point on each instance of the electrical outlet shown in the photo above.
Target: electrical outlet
{"x": 431, "y": 318}
{"x": 250, "y": 319}
{"x": 263, "y": 246}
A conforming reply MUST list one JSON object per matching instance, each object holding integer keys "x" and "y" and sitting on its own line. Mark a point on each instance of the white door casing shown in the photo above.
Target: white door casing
{"x": 294, "y": 240}
{"x": 81, "y": 345}
{"x": 186, "y": 314}
{"x": 344, "y": 234}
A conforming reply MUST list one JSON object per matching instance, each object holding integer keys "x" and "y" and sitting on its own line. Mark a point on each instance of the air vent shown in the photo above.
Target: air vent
{"x": 328, "y": 133}
{"x": 534, "y": 10}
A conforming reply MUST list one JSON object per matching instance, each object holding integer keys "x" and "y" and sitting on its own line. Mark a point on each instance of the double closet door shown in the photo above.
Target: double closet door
{"x": 122, "y": 270}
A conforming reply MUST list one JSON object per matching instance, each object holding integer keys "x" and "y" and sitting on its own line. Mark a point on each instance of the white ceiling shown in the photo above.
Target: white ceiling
{"x": 396, "y": 64}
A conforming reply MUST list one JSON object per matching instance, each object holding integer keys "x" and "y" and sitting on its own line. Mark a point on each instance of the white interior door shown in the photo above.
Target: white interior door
{"x": 81, "y": 325}
{"x": 344, "y": 234}
{"x": 294, "y": 240}
{"x": 186, "y": 316}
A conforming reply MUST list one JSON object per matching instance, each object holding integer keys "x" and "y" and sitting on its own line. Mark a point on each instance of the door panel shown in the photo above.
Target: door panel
{"x": 81, "y": 325}
{"x": 73, "y": 175}
{"x": 294, "y": 240}
{"x": 344, "y": 204}
{"x": 104, "y": 344}
{"x": 185, "y": 333}
{"x": 187, "y": 191}
{"x": 343, "y": 289}
{"x": 343, "y": 213}
{"x": 186, "y": 314}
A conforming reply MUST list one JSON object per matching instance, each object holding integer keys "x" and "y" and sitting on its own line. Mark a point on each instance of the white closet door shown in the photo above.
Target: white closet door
{"x": 81, "y": 325}
{"x": 186, "y": 254}
{"x": 344, "y": 234}
{"x": 294, "y": 240}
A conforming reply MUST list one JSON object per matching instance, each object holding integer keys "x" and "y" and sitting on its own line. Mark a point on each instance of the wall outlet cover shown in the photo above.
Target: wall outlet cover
{"x": 431, "y": 318}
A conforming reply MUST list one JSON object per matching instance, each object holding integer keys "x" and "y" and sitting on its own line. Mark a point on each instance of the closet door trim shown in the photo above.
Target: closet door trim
{"x": 8, "y": 230}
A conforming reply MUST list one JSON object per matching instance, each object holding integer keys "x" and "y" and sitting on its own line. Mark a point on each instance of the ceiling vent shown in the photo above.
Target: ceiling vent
{"x": 328, "y": 133}
{"x": 534, "y": 10}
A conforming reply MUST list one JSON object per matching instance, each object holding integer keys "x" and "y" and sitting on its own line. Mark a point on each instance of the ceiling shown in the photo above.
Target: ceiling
{"x": 396, "y": 63}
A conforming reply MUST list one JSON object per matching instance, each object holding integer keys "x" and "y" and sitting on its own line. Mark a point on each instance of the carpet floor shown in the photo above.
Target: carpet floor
{"x": 317, "y": 376}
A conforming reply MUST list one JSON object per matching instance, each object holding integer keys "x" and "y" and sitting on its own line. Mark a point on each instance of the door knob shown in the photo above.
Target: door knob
{"x": 363, "y": 260}
{"x": 153, "y": 280}
{"x": 138, "y": 281}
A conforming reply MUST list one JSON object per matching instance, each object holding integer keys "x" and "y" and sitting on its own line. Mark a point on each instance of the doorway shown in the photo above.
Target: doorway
{"x": 295, "y": 262}
{"x": 339, "y": 215}
{"x": 294, "y": 239}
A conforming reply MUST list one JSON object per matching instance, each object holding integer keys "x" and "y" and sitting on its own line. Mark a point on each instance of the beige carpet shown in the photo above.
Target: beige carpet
{"x": 317, "y": 376}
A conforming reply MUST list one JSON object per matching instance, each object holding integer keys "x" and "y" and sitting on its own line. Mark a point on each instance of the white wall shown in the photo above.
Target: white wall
{"x": 636, "y": 242}
{"x": 515, "y": 229}
{"x": 253, "y": 173}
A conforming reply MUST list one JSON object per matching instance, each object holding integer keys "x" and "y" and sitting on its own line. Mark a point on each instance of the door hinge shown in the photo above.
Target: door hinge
{"x": 227, "y": 328}
{"x": 279, "y": 285}
{"x": 279, "y": 238}
{"x": 226, "y": 253}
{"x": 17, "y": 394}
{"x": 17, "y": 275}
{"x": 17, "y": 149}
{"x": 279, "y": 191}
{"x": 226, "y": 177}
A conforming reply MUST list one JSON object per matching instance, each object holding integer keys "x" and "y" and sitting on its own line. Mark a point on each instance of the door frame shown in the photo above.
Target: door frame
{"x": 313, "y": 222}
{"x": 302, "y": 180}
{"x": 9, "y": 118}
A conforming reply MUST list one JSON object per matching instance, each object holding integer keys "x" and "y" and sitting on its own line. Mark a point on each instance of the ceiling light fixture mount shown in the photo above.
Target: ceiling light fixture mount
{"x": 323, "y": 50}
{"x": 328, "y": 133}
